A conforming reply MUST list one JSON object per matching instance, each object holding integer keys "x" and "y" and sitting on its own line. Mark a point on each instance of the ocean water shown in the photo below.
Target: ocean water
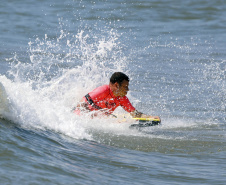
{"x": 53, "y": 52}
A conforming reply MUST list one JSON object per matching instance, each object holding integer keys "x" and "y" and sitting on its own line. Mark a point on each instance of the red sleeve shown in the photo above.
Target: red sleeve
{"x": 126, "y": 105}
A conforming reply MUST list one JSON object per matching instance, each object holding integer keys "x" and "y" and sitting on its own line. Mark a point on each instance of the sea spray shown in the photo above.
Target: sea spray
{"x": 58, "y": 73}
{"x": 61, "y": 70}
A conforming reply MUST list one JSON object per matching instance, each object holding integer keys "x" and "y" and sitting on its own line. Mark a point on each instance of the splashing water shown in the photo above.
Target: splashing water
{"x": 59, "y": 73}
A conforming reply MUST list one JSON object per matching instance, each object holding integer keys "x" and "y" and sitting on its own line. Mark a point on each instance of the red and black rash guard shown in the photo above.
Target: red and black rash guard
{"x": 104, "y": 98}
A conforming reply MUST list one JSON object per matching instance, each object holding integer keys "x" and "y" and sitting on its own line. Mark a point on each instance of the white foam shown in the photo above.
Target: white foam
{"x": 45, "y": 89}
{"x": 4, "y": 103}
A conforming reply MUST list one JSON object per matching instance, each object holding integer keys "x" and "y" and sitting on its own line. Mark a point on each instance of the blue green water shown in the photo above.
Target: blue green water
{"x": 53, "y": 52}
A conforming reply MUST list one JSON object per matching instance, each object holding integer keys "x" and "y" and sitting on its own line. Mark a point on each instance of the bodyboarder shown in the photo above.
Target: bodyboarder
{"x": 107, "y": 98}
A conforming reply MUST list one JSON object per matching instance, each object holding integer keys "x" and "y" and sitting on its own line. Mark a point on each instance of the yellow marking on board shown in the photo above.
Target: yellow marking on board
{"x": 146, "y": 119}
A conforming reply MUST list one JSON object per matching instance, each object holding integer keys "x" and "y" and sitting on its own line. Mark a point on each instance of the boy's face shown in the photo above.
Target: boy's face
{"x": 123, "y": 88}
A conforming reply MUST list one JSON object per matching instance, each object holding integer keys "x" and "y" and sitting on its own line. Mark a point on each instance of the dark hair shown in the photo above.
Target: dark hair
{"x": 118, "y": 77}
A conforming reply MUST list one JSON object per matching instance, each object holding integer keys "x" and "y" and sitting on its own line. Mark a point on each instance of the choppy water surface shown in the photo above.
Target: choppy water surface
{"x": 54, "y": 52}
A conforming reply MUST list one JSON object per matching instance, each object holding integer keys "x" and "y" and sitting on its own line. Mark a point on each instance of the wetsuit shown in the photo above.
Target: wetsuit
{"x": 103, "y": 98}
